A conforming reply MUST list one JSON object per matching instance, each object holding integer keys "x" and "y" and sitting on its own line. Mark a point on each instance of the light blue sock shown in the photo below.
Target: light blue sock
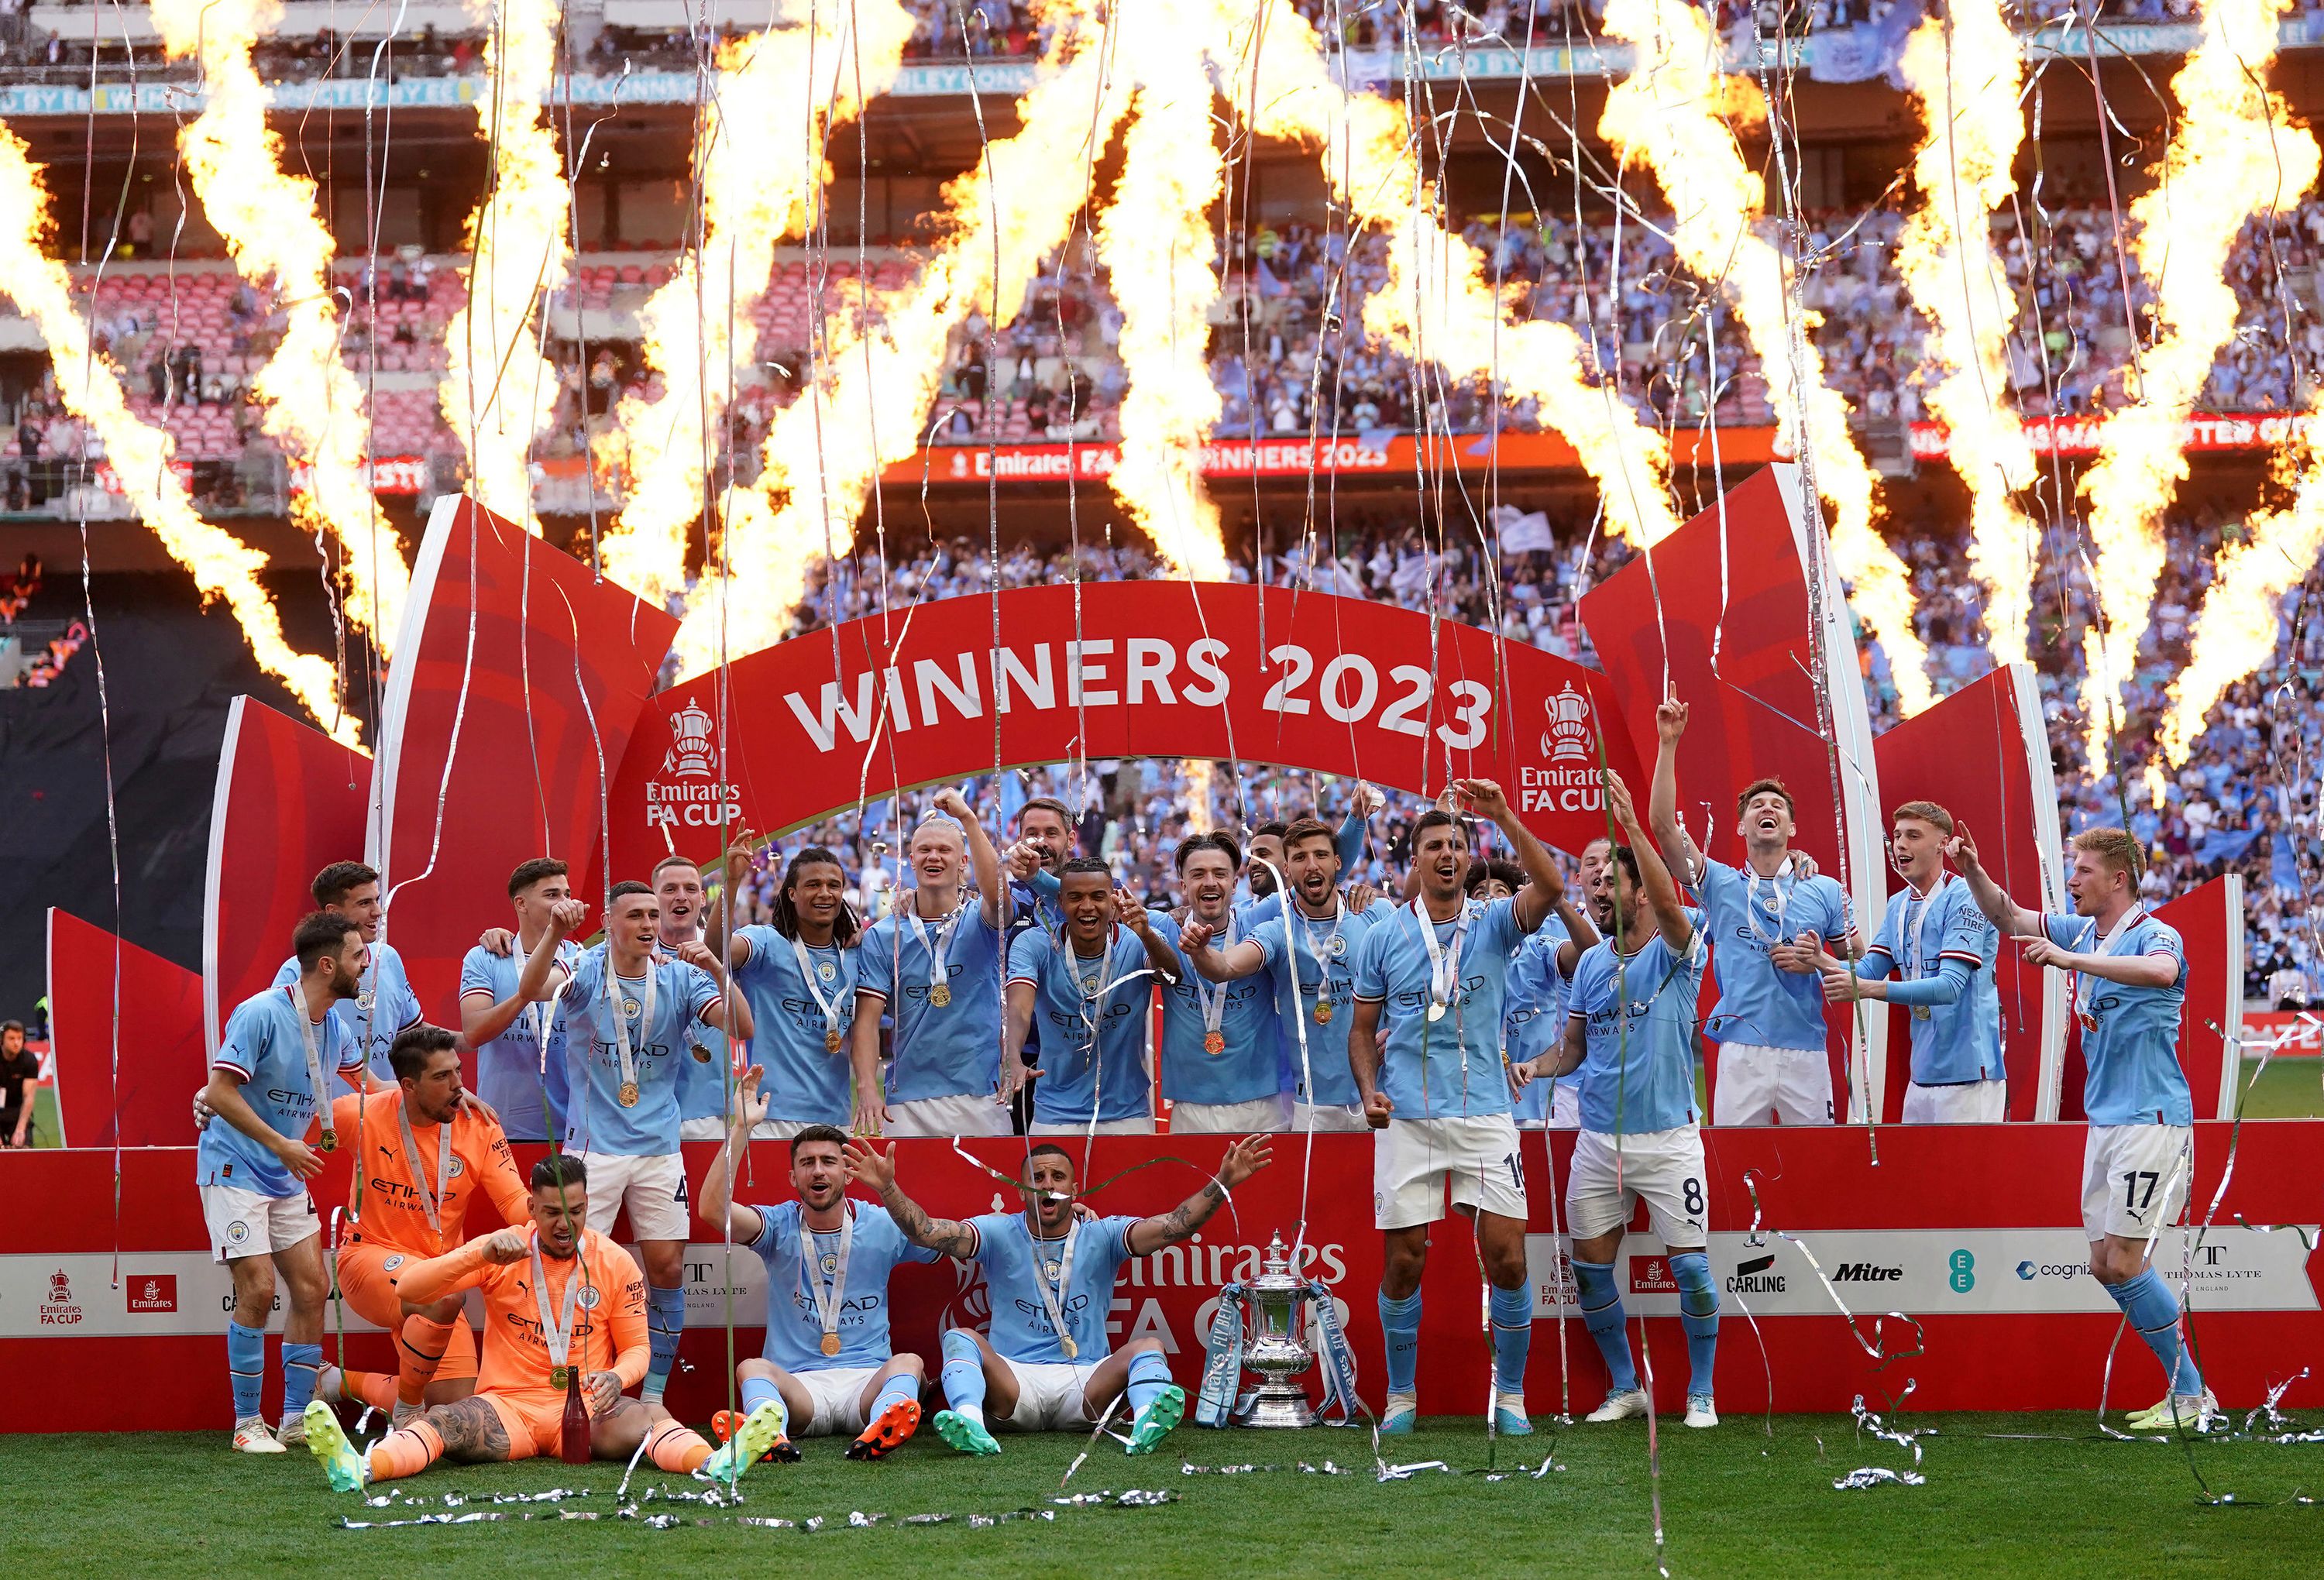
{"x": 903, "y": 1387}
{"x": 301, "y": 1362}
{"x": 665, "y": 1321}
{"x": 1149, "y": 1374}
{"x": 1512, "y": 1337}
{"x": 1400, "y": 1331}
{"x": 245, "y": 1367}
{"x": 2146, "y": 1300}
{"x": 1601, "y": 1314}
{"x": 963, "y": 1375}
{"x": 759, "y": 1391}
{"x": 1698, "y": 1313}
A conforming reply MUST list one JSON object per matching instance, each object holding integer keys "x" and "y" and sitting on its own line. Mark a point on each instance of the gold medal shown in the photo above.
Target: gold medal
{"x": 831, "y": 1042}
{"x": 628, "y": 1094}
{"x": 1921, "y": 1012}
{"x": 330, "y": 1141}
{"x": 1322, "y": 1011}
{"x": 701, "y": 1054}
{"x": 1070, "y": 1348}
{"x": 940, "y": 994}
{"x": 558, "y": 1376}
{"x": 831, "y": 1344}
{"x": 1214, "y": 1043}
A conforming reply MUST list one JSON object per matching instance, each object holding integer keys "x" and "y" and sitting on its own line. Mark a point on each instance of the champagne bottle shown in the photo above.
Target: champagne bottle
{"x": 573, "y": 1446}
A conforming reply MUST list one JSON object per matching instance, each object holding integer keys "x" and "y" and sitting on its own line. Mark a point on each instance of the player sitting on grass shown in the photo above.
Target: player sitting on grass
{"x": 826, "y": 1367}
{"x": 1051, "y": 1273}
{"x": 556, "y": 1296}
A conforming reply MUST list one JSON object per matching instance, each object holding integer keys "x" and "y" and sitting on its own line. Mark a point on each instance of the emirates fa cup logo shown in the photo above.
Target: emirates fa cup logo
{"x": 689, "y": 747}
{"x": 1567, "y": 740}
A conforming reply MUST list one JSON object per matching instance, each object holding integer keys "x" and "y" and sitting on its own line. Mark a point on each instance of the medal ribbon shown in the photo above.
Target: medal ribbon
{"x": 558, "y": 1332}
{"x": 314, "y": 1063}
{"x": 1779, "y": 899}
{"x": 430, "y": 1200}
{"x": 1054, "y": 1300}
{"x": 622, "y": 1021}
{"x": 2082, "y": 991}
{"x": 827, "y": 1302}
{"x": 940, "y": 951}
{"x": 1214, "y": 998}
{"x": 1093, "y": 998}
{"x": 830, "y": 1006}
{"x": 1443, "y": 964}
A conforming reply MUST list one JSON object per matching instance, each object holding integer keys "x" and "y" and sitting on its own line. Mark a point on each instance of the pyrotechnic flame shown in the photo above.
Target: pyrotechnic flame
{"x": 870, "y": 396}
{"x": 2234, "y": 152}
{"x": 500, "y": 391}
{"x": 91, "y": 387}
{"x": 1968, "y": 86}
{"x": 757, "y": 187}
{"x": 2236, "y": 631}
{"x": 1436, "y": 304}
{"x": 1155, "y": 241}
{"x": 268, "y": 223}
{"x": 1665, "y": 113}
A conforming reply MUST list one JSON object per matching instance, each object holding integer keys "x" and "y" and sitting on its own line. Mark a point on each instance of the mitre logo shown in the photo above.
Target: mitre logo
{"x": 689, "y": 747}
{"x": 1567, "y": 740}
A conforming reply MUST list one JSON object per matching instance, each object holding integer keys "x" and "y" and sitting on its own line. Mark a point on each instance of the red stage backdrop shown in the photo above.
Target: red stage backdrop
{"x": 1718, "y": 615}
{"x": 1981, "y": 754}
{"x": 163, "y": 1057}
{"x": 290, "y": 802}
{"x": 1171, "y": 669}
{"x": 518, "y": 675}
{"x": 1991, "y": 1266}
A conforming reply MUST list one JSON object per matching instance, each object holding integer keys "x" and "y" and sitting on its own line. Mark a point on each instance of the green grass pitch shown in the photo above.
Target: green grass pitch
{"x": 2056, "y": 1500}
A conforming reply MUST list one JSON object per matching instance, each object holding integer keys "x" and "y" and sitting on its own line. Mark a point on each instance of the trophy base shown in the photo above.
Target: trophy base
{"x": 1276, "y": 1407}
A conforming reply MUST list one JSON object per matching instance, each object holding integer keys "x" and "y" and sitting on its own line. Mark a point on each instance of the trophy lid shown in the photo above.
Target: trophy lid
{"x": 1276, "y": 1275}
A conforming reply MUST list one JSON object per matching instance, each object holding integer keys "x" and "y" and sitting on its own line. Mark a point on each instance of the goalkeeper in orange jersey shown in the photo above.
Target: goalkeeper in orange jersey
{"x": 423, "y": 1151}
{"x": 561, "y": 1301}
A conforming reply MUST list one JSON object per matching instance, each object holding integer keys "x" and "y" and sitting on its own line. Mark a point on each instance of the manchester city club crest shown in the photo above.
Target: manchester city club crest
{"x": 587, "y": 1297}
{"x": 456, "y": 1170}
{"x": 393, "y": 1262}
{"x": 826, "y": 970}
{"x": 631, "y": 1007}
{"x": 1339, "y": 946}
{"x": 829, "y": 1263}
{"x": 364, "y": 999}
{"x": 1051, "y": 1271}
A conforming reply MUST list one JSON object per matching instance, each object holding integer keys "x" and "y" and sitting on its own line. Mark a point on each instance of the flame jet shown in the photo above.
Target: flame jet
{"x": 1965, "y": 69}
{"x": 773, "y": 89}
{"x": 223, "y": 566}
{"x": 500, "y": 391}
{"x": 268, "y": 219}
{"x": 2233, "y": 153}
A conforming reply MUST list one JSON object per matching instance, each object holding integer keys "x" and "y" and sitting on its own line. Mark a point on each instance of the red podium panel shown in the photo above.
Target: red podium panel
{"x": 158, "y": 1039}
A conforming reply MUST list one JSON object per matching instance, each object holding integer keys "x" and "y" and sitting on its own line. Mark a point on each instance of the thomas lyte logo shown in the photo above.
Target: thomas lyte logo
{"x": 1568, "y": 779}
{"x": 690, "y": 745}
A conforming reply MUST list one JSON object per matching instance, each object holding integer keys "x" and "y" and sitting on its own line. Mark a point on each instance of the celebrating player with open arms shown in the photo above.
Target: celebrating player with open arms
{"x": 826, "y": 1367}
{"x": 1770, "y": 922}
{"x": 2129, "y": 972}
{"x": 1425, "y": 1051}
{"x": 560, "y": 1300}
{"x": 1631, "y": 1032}
{"x": 1051, "y": 1273}
{"x": 935, "y": 967}
{"x": 629, "y": 1013}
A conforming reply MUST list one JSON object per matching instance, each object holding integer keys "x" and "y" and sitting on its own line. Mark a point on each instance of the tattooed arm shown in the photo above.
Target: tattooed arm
{"x": 1243, "y": 1160}
{"x": 869, "y": 1165}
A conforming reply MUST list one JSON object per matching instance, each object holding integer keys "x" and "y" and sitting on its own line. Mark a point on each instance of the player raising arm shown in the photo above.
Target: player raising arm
{"x": 1629, "y": 1031}
{"x": 563, "y": 1305}
{"x": 1051, "y": 1273}
{"x": 2129, "y": 972}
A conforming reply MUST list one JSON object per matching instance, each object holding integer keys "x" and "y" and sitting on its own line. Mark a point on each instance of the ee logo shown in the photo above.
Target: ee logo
{"x": 1963, "y": 1277}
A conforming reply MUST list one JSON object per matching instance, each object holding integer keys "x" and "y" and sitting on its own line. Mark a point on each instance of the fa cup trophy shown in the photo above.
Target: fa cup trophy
{"x": 1291, "y": 1324}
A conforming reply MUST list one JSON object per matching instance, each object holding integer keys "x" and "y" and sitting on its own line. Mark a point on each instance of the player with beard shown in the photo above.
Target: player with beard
{"x": 383, "y": 1003}
{"x": 629, "y": 1014}
{"x": 936, "y": 967}
{"x": 1534, "y": 1012}
{"x": 1269, "y": 844}
{"x": 1222, "y": 1043}
{"x": 1089, "y": 989}
{"x": 422, "y": 1152}
{"x": 1769, "y": 921}
{"x": 1045, "y": 843}
{"x": 268, "y": 1085}
{"x": 561, "y": 1301}
{"x": 826, "y": 1367}
{"x": 800, "y": 975}
{"x": 1051, "y": 1271}
{"x": 1309, "y": 958}
{"x": 1426, "y": 1052}
{"x": 521, "y": 1069}
{"x": 1629, "y": 1032}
